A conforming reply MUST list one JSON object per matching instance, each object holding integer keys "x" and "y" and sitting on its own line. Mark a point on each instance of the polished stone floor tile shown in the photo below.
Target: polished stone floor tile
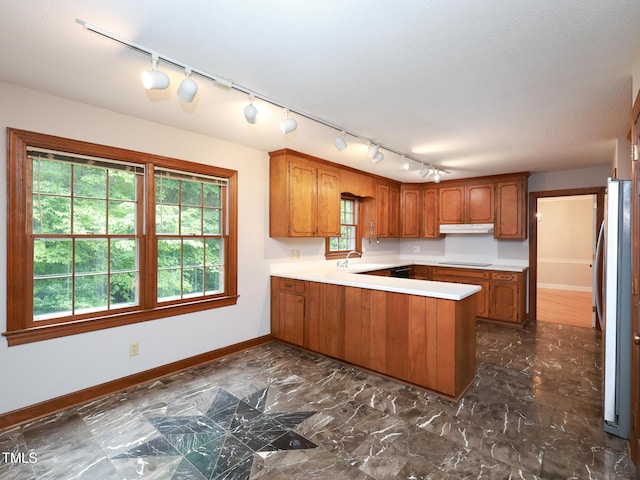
{"x": 276, "y": 412}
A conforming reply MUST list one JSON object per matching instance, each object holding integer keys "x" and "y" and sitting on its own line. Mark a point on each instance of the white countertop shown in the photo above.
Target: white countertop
{"x": 328, "y": 272}
{"x": 348, "y": 278}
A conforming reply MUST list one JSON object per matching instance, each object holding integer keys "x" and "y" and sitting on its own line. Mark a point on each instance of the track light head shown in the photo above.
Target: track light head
{"x": 188, "y": 88}
{"x": 378, "y": 157}
{"x": 424, "y": 171}
{"x": 288, "y": 125}
{"x": 340, "y": 142}
{"x": 373, "y": 150}
{"x": 436, "y": 177}
{"x": 251, "y": 112}
{"x": 153, "y": 79}
{"x": 404, "y": 165}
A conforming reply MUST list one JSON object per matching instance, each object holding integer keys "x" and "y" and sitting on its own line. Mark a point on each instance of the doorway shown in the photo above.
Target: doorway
{"x": 557, "y": 278}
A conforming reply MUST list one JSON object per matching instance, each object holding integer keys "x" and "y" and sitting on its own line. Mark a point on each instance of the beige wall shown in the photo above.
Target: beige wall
{"x": 565, "y": 242}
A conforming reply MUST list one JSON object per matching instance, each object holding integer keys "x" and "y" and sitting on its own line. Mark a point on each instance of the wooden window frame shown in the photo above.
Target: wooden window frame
{"x": 329, "y": 255}
{"x": 21, "y": 327}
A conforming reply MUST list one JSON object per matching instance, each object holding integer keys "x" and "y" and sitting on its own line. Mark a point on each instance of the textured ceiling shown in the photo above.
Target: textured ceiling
{"x": 474, "y": 87}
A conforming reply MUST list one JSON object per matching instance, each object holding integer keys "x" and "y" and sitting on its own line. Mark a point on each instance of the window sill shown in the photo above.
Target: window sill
{"x": 46, "y": 332}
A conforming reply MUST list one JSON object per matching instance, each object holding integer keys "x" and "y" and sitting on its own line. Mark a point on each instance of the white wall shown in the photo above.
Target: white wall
{"x": 622, "y": 159}
{"x": 636, "y": 77}
{"x": 566, "y": 179}
{"x": 43, "y": 370}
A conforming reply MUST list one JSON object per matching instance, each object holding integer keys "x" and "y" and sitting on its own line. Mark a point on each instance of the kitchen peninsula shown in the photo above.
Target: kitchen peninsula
{"x": 417, "y": 331}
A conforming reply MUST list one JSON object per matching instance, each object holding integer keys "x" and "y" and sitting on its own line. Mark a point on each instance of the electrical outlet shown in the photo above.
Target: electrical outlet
{"x": 134, "y": 349}
{"x": 416, "y": 249}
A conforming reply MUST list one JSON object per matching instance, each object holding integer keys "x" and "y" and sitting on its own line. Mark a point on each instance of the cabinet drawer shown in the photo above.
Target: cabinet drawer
{"x": 504, "y": 276}
{"x": 459, "y": 272}
{"x": 297, "y": 286}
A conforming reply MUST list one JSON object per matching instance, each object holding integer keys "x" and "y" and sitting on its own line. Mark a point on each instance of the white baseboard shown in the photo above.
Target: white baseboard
{"x": 556, "y": 286}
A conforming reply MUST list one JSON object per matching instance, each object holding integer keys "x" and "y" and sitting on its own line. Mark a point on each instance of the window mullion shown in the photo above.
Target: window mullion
{"x": 149, "y": 241}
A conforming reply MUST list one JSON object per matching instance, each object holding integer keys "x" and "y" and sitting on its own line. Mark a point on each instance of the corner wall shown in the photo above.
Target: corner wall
{"x": 40, "y": 371}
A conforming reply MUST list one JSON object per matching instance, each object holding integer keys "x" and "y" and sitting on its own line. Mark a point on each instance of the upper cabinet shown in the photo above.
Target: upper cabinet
{"x": 429, "y": 214}
{"x": 304, "y": 197}
{"x": 304, "y": 201}
{"x": 511, "y": 208}
{"x": 387, "y": 210}
{"x": 410, "y": 208}
{"x": 467, "y": 204}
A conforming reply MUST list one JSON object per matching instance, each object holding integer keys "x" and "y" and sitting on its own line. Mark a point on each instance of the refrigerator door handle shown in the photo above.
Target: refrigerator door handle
{"x": 597, "y": 274}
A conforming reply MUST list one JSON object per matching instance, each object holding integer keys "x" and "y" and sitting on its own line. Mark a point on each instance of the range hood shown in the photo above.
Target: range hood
{"x": 467, "y": 228}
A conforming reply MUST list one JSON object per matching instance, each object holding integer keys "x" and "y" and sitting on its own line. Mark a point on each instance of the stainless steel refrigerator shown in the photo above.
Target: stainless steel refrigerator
{"x": 613, "y": 302}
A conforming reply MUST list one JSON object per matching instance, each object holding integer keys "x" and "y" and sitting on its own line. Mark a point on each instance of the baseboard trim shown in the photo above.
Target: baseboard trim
{"x": 558, "y": 286}
{"x": 74, "y": 399}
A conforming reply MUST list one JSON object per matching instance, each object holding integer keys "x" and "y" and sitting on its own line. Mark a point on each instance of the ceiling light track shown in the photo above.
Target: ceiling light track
{"x": 189, "y": 89}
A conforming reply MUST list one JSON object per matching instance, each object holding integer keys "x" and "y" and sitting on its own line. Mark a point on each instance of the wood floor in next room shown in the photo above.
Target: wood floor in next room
{"x": 568, "y": 307}
{"x": 279, "y": 413}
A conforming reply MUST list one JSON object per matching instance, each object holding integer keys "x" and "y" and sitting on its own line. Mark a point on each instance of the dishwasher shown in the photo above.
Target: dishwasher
{"x": 400, "y": 272}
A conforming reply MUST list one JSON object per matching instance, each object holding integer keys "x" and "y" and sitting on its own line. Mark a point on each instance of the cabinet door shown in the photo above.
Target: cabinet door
{"x": 328, "y": 203}
{"x": 510, "y": 210}
{"x": 394, "y": 211}
{"x": 452, "y": 205}
{"x": 287, "y": 310}
{"x": 303, "y": 200}
{"x": 479, "y": 204}
{"x": 382, "y": 210}
{"x": 482, "y": 297}
{"x": 504, "y": 301}
{"x": 430, "y": 223}
{"x": 410, "y": 208}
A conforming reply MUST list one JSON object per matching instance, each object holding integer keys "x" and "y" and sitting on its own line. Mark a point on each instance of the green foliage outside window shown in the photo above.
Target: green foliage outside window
{"x": 85, "y": 249}
{"x": 347, "y": 239}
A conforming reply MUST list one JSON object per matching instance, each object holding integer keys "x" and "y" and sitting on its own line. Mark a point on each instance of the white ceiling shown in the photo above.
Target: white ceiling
{"x": 474, "y": 87}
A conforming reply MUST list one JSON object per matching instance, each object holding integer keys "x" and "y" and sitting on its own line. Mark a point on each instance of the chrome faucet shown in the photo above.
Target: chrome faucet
{"x": 345, "y": 262}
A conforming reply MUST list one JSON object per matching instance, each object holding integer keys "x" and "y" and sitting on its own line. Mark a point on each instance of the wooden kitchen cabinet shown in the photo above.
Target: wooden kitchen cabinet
{"x": 511, "y": 209}
{"x": 503, "y": 294}
{"x": 387, "y": 210}
{"x": 304, "y": 198}
{"x": 426, "y": 341}
{"x": 288, "y": 309}
{"x": 420, "y": 272}
{"x": 430, "y": 217}
{"x": 467, "y": 204}
{"x": 470, "y": 277}
{"x": 394, "y": 211}
{"x": 508, "y": 296}
{"x": 411, "y": 209}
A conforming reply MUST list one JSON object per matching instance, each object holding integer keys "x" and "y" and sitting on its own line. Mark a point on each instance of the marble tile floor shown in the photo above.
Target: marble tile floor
{"x": 276, "y": 412}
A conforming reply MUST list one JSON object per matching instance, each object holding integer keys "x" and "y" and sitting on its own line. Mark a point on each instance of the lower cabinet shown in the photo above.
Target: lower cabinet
{"x": 422, "y": 340}
{"x": 508, "y": 296}
{"x": 288, "y": 309}
{"x": 471, "y": 277}
{"x": 503, "y": 294}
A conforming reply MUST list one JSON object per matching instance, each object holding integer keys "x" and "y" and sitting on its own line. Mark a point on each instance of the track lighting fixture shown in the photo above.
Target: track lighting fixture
{"x": 288, "y": 125}
{"x": 188, "y": 87}
{"x": 153, "y": 79}
{"x": 404, "y": 164}
{"x": 340, "y": 142}
{"x": 373, "y": 150}
{"x": 251, "y": 112}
